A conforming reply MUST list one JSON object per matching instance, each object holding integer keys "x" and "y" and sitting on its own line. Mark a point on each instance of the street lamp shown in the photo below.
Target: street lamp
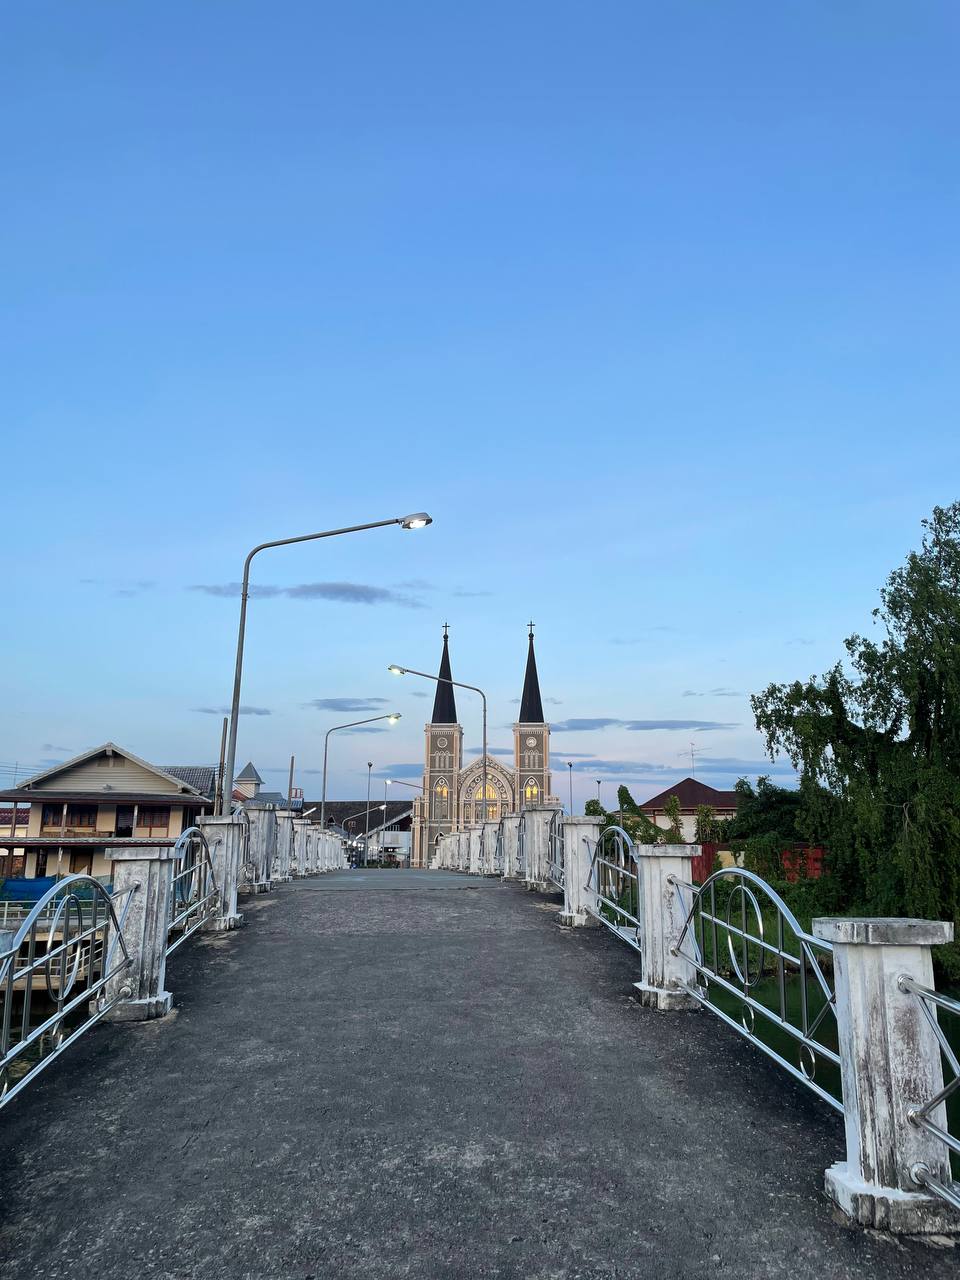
{"x": 366, "y": 833}
{"x": 395, "y": 782}
{"x": 393, "y": 717}
{"x": 598, "y": 793}
{"x": 419, "y": 520}
{"x": 425, "y": 675}
{"x": 570, "y": 774}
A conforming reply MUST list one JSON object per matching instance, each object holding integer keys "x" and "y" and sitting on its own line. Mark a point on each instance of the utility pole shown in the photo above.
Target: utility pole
{"x": 366, "y": 836}
{"x": 290, "y": 785}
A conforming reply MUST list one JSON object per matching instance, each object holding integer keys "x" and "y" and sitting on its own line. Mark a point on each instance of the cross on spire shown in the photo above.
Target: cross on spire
{"x": 446, "y": 630}
{"x": 531, "y": 626}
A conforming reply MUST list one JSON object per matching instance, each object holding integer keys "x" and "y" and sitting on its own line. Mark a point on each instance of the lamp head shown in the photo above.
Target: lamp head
{"x": 419, "y": 520}
{"x": 397, "y": 671}
{"x": 393, "y": 717}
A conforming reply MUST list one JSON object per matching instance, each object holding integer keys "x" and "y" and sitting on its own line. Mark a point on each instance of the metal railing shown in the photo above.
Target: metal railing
{"x": 614, "y": 883}
{"x": 248, "y": 872}
{"x": 932, "y": 1116}
{"x": 56, "y": 969}
{"x": 195, "y": 892}
{"x": 520, "y": 856}
{"x": 750, "y": 952}
{"x": 498, "y": 861}
{"x": 555, "y": 838}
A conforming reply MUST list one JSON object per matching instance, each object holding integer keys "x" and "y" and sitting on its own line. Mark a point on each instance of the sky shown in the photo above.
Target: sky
{"x": 654, "y": 308}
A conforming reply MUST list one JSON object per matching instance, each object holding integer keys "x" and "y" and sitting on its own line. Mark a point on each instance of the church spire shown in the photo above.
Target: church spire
{"x": 444, "y": 704}
{"x": 531, "y": 707}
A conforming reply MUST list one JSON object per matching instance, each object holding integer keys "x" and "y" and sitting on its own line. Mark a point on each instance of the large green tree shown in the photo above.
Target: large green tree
{"x": 877, "y": 741}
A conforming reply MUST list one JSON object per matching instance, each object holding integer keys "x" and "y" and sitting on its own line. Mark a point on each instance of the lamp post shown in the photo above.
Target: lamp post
{"x": 418, "y": 520}
{"x": 570, "y": 775}
{"x": 393, "y": 717}
{"x": 414, "y": 786}
{"x": 598, "y": 793}
{"x": 366, "y": 832}
{"x": 425, "y": 675}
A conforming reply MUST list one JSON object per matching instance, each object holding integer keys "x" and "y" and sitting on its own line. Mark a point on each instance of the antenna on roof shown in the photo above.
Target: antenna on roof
{"x": 693, "y": 753}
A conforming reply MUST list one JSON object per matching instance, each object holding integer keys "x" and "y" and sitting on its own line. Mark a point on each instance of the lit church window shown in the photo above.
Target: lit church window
{"x": 531, "y": 792}
{"x": 441, "y": 801}
{"x": 493, "y": 808}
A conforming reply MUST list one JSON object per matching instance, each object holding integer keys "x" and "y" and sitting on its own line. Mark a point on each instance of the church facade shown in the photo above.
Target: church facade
{"x": 453, "y": 789}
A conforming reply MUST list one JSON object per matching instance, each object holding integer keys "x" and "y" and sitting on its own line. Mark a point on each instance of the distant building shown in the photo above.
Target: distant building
{"x": 452, "y": 791}
{"x": 692, "y": 794}
{"x": 64, "y": 819}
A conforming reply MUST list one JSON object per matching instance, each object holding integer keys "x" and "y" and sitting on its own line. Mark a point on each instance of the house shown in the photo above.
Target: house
{"x": 247, "y": 789}
{"x": 692, "y": 794}
{"x": 66, "y": 819}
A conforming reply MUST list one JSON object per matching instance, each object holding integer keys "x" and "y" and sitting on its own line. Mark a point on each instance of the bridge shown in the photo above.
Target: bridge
{"x": 422, "y": 1074}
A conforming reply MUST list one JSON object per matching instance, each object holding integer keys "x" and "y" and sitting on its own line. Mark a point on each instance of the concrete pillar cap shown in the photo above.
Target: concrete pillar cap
{"x": 883, "y": 931}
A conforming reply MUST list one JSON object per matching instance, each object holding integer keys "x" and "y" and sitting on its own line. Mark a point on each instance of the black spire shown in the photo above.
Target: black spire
{"x": 444, "y": 704}
{"x": 531, "y": 708}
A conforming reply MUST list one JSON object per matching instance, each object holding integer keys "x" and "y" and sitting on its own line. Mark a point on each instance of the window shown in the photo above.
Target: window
{"x": 155, "y": 819}
{"x": 52, "y": 813}
{"x": 531, "y": 792}
{"x": 489, "y": 812}
{"x": 82, "y": 816}
{"x": 81, "y": 860}
{"x": 441, "y": 801}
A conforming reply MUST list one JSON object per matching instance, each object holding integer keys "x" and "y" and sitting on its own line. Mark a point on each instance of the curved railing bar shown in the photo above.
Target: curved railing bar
{"x": 112, "y": 922}
{"x": 624, "y": 844}
{"x": 192, "y": 906}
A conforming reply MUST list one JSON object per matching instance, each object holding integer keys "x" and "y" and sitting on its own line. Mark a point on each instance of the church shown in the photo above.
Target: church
{"x": 452, "y": 790}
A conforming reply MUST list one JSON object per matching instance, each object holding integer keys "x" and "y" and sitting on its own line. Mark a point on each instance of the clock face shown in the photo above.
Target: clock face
{"x": 531, "y": 742}
{"x": 441, "y": 742}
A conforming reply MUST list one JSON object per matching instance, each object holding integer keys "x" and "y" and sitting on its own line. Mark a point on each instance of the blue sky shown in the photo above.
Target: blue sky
{"x": 653, "y": 307}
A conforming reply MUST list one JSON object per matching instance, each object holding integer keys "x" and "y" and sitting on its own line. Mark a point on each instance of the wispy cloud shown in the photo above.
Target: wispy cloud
{"x": 345, "y": 704}
{"x": 417, "y": 694}
{"x": 52, "y": 746}
{"x": 491, "y": 751}
{"x": 800, "y": 640}
{"x": 338, "y": 592}
{"x": 622, "y": 768}
{"x": 712, "y": 693}
{"x": 225, "y": 711}
{"x": 365, "y": 728}
{"x": 402, "y": 770}
{"x": 461, "y": 594}
{"x": 636, "y": 726}
{"x": 553, "y": 702}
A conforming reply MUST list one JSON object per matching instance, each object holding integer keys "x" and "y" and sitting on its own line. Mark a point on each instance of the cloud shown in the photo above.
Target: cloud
{"x": 620, "y": 767}
{"x": 800, "y": 640}
{"x": 52, "y": 746}
{"x": 734, "y": 765}
{"x": 554, "y": 702}
{"x": 345, "y": 704}
{"x": 366, "y": 728}
{"x": 491, "y": 751}
{"x": 284, "y": 768}
{"x": 225, "y": 711}
{"x": 636, "y": 726}
{"x": 340, "y": 592}
{"x": 470, "y": 595}
{"x": 417, "y": 694}
{"x": 401, "y": 770}
{"x": 722, "y": 692}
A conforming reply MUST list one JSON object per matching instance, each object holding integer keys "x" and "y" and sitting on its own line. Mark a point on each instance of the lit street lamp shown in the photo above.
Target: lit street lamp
{"x": 419, "y": 520}
{"x": 570, "y": 775}
{"x": 409, "y": 671}
{"x": 393, "y": 717}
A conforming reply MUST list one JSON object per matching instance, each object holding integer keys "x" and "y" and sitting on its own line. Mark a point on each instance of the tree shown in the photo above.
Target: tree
{"x": 672, "y": 809}
{"x": 877, "y": 741}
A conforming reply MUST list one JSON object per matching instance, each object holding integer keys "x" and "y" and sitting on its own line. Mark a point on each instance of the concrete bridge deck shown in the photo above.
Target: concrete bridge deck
{"x": 392, "y": 1074}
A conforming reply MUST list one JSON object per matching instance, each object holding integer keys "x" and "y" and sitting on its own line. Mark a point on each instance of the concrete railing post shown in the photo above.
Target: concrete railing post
{"x": 224, "y": 838}
{"x": 536, "y": 840}
{"x": 889, "y": 1063}
{"x": 149, "y": 873}
{"x": 284, "y": 845}
{"x": 489, "y": 848}
{"x": 580, "y": 836}
{"x": 510, "y": 824}
{"x": 463, "y": 850}
{"x": 474, "y": 863}
{"x": 300, "y": 827}
{"x": 662, "y": 916}
{"x": 263, "y": 844}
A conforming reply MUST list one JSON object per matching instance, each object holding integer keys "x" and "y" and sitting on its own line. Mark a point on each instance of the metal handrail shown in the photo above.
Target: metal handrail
{"x": 555, "y": 849}
{"x": 82, "y": 950}
{"x": 930, "y": 1002}
{"x": 194, "y": 887}
{"x": 615, "y": 872}
{"x": 748, "y": 952}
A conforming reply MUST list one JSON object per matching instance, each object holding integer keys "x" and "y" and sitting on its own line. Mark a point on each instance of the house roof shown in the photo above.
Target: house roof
{"x": 444, "y": 703}
{"x": 248, "y": 774}
{"x": 106, "y": 748}
{"x": 202, "y": 777}
{"x": 339, "y": 811}
{"x": 531, "y": 706}
{"x": 691, "y": 792}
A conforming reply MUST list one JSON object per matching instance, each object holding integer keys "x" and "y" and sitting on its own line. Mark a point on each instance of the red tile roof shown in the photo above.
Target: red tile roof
{"x": 691, "y": 793}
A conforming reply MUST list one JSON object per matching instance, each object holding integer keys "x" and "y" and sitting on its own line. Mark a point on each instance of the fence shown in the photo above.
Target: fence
{"x": 194, "y": 893}
{"x": 613, "y": 886}
{"x": 82, "y": 951}
{"x": 555, "y": 858}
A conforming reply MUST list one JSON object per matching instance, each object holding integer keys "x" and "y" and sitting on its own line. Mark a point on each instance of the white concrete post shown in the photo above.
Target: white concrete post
{"x": 284, "y": 845}
{"x": 662, "y": 916}
{"x": 149, "y": 872}
{"x": 263, "y": 843}
{"x": 300, "y": 826}
{"x": 536, "y": 839}
{"x": 889, "y": 1063}
{"x": 489, "y": 847}
{"x": 474, "y": 863}
{"x": 463, "y": 850}
{"x": 224, "y": 836}
{"x": 580, "y": 835}
{"x": 511, "y": 824}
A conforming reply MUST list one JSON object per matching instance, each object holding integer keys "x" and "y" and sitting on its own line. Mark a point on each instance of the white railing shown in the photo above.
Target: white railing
{"x": 614, "y": 886}
{"x": 53, "y": 975}
{"x": 194, "y": 894}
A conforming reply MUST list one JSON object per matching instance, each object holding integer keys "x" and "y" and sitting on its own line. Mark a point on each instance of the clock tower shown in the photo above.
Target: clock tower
{"x": 531, "y": 740}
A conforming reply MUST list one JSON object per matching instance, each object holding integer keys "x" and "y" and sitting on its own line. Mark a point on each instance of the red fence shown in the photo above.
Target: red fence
{"x": 802, "y": 862}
